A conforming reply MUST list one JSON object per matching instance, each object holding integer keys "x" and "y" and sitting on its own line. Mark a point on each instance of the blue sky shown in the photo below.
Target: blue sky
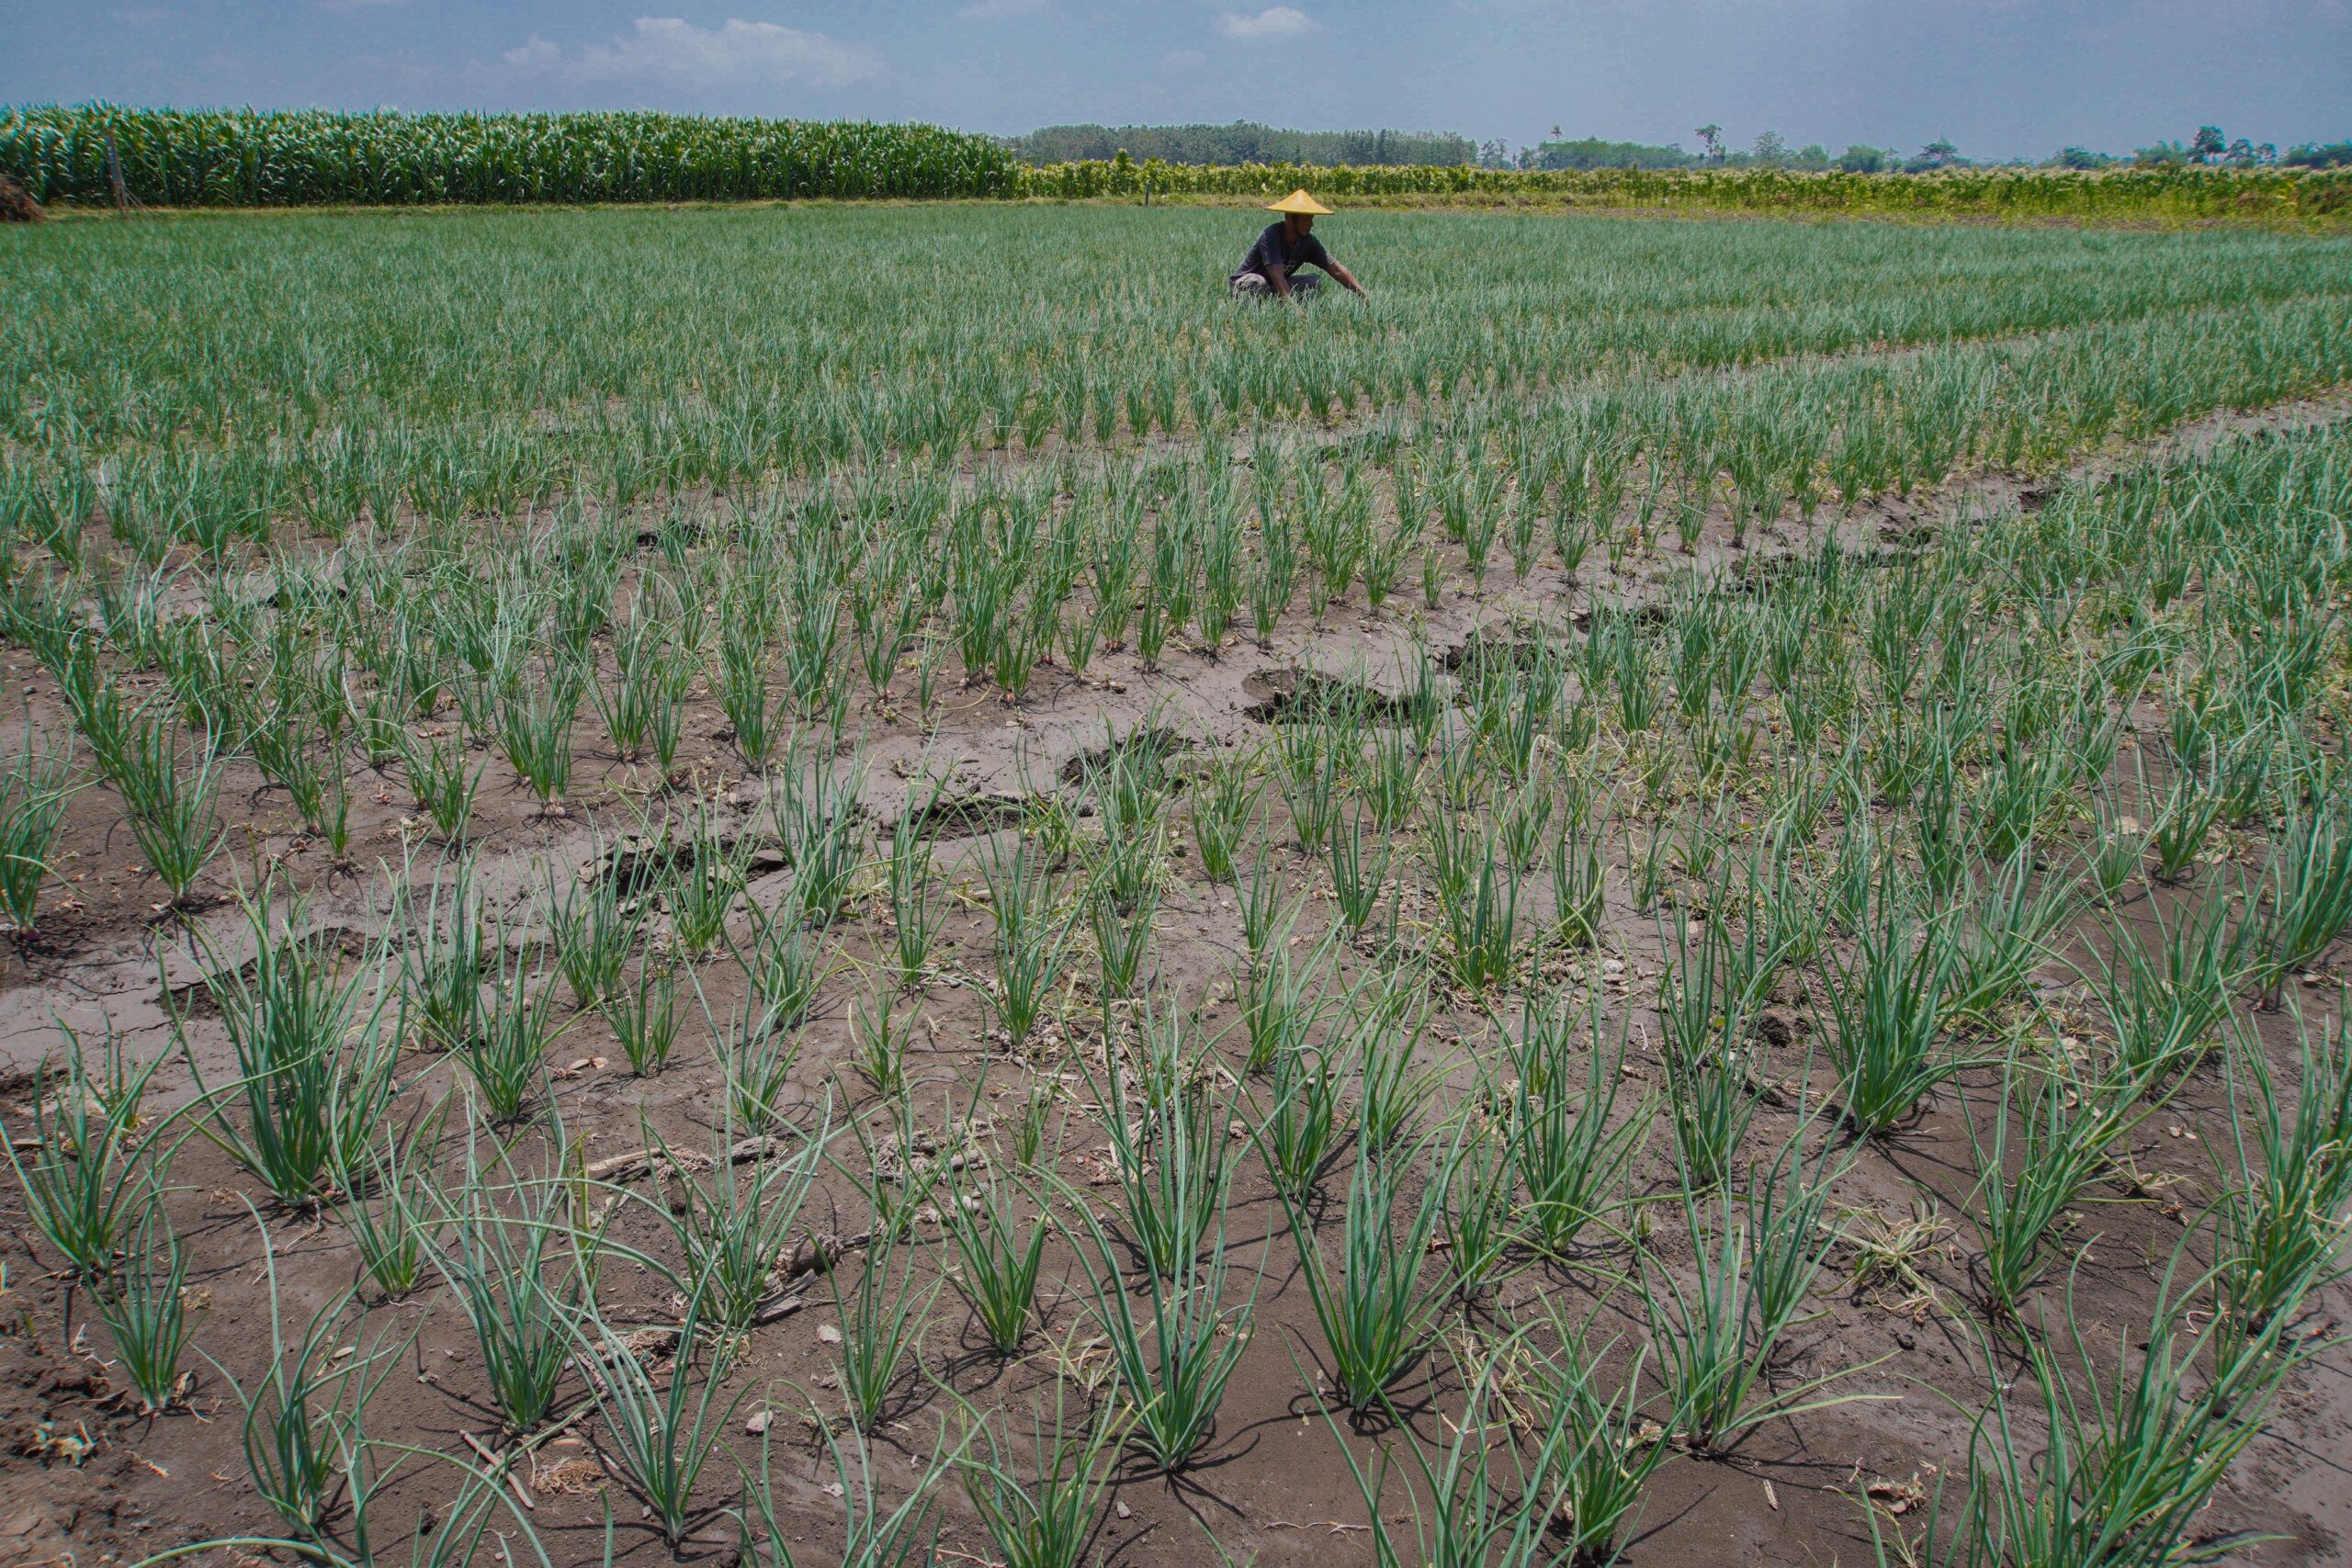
{"x": 1998, "y": 76}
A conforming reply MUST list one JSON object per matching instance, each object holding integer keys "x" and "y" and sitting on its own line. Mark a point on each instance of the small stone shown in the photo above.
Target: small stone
{"x": 829, "y": 1334}
{"x": 756, "y": 1423}
{"x": 1125, "y": 1512}
{"x": 1906, "y": 1341}
{"x": 1612, "y": 966}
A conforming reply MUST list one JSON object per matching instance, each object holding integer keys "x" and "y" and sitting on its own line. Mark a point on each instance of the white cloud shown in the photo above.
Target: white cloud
{"x": 1274, "y": 21}
{"x": 997, "y": 10}
{"x": 534, "y": 58}
{"x": 670, "y": 49}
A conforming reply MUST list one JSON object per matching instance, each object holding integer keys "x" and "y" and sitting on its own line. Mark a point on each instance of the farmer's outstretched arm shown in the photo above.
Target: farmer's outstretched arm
{"x": 1277, "y": 274}
{"x": 1347, "y": 279}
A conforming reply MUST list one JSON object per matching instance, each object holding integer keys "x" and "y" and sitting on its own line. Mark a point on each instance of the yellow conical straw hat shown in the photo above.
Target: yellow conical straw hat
{"x": 1299, "y": 202}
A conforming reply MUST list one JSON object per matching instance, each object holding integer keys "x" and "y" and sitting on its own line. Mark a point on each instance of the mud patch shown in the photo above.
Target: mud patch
{"x": 972, "y": 814}
{"x": 1296, "y": 696}
{"x": 1154, "y": 748}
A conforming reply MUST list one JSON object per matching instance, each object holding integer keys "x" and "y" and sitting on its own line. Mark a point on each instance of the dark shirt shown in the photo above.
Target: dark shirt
{"x": 1275, "y": 249}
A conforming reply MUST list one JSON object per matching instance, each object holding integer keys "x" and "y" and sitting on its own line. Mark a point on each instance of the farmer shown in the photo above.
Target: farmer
{"x": 1271, "y": 267}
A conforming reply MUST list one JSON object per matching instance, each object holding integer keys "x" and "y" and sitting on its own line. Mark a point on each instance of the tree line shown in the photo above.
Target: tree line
{"x": 1249, "y": 142}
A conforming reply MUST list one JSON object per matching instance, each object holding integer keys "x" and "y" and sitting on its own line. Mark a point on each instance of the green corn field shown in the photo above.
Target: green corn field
{"x": 307, "y": 158}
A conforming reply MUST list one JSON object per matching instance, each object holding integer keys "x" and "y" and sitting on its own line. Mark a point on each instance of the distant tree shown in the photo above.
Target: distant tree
{"x": 1591, "y": 153}
{"x": 2207, "y": 145}
{"x": 1494, "y": 154}
{"x": 1941, "y": 154}
{"x": 1711, "y": 137}
{"x": 2161, "y": 155}
{"x": 1243, "y": 141}
{"x": 1772, "y": 149}
{"x": 1812, "y": 155}
{"x": 2081, "y": 158}
{"x": 2319, "y": 156}
{"x": 1861, "y": 159}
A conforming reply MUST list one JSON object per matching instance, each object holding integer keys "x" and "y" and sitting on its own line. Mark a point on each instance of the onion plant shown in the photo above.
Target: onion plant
{"x": 881, "y": 1321}
{"x": 306, "y": 1410}
{"x": 2064, "y": 1128}
{"x": 1568, "y": 1155}
{"x": 518, "y": 1272}
{"x": 1032, "y": 939}
{"x": 1047, "y": 1514}
{"x": 2286, "y": 1177}
{"x": 999, "y": 1257}
{"x": 734, "y": 1225}
{"x": 664, "y": 1428}
{"x": 1174, "y": 1349}
{"x": 82, "y": 1171}
{"x": 32, "y": 808}
{"x": 144, "y": 1304}
{"x": 1887, "y": 1006}
{"x": 1759, "y": 1251}
{"x": 1377, "y": 1312}
{"x": 316, "y": 1053}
